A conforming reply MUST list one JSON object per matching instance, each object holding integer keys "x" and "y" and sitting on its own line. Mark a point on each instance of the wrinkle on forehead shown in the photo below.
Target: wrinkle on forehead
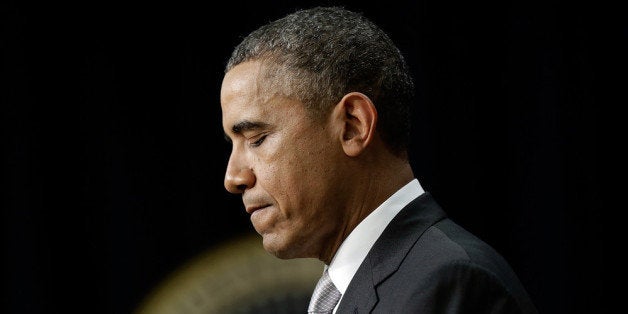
{"x": 273, "y": 81}
{"x": 260, "y": 81}
{"x": 258, "y": 88}
{"x": 242, "y": 80}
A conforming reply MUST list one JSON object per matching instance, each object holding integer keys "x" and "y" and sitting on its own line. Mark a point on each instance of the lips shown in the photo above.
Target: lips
{"x": 252, "y": 209}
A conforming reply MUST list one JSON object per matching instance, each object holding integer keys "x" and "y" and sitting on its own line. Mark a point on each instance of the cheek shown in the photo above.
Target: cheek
{"x": 297, "y": 175}
{"x": 290, "y": 182}
{"x": 275, "y": 177}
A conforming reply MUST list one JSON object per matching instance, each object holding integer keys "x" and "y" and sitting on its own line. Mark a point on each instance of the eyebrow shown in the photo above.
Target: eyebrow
{"x": 244, "y": 126}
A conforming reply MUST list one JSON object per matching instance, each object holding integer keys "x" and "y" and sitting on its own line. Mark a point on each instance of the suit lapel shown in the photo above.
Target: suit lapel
{"x": 388, "y": 252}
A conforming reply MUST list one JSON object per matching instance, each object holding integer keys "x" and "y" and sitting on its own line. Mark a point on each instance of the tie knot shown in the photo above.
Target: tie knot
{"x": 325, "y": 296}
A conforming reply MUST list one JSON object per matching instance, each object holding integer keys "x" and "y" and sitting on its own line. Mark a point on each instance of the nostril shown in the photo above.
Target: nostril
{"x": 241, "y": 187}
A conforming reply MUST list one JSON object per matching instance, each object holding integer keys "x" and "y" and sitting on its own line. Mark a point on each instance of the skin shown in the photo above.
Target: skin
{"x": 303, "y": 180}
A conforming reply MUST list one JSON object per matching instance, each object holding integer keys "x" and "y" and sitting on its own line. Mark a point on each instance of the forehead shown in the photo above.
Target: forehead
{"x": 242, "y": 80}
{"x": 245, "y": 95}
{"x": 241, "y": 91}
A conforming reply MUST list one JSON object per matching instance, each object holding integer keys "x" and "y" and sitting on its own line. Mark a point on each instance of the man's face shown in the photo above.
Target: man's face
{"x": 286, "y": 165}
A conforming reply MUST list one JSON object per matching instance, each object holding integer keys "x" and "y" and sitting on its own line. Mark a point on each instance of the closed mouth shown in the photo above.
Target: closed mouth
{"x": 252, "y": 209}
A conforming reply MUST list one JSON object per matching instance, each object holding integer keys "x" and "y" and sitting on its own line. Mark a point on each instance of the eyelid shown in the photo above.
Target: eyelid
{"x": 258, "y": 139}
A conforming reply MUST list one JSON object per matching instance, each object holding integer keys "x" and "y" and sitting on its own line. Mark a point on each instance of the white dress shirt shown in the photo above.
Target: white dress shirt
{"x": 356, "y": 246}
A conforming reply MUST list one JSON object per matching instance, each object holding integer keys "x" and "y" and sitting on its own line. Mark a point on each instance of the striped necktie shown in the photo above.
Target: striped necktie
{"x": 325, "y": 296}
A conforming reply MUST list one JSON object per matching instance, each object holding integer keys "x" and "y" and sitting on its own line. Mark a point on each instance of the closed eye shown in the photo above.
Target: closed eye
{"x": 259, "y": 141}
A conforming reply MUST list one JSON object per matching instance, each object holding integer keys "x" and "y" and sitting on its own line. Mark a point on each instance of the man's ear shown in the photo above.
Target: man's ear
{"x": 358, "y": 118}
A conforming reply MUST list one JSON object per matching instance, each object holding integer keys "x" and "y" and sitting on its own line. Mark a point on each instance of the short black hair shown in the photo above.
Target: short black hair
{"x": 320, "y": 54}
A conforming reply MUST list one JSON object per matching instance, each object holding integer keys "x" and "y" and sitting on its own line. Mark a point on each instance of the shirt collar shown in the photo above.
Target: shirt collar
{"x": 356, "y": 246}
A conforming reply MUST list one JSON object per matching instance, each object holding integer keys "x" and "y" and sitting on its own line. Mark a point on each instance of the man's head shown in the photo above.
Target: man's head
{"x": 321, "y": 54}
{"x": 316, "y": 107}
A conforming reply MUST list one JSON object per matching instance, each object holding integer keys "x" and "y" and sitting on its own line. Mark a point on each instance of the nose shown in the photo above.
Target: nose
{"x": 238, "y": 177}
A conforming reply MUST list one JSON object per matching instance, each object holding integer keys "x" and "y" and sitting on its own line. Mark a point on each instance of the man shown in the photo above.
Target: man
{"x": 316, "y": 105}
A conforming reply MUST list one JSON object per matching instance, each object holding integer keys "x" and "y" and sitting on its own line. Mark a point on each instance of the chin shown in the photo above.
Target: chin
{"x": 279, "y": 247}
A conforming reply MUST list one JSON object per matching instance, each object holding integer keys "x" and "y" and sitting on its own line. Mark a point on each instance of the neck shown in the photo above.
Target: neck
{"x": 370, "y": 190}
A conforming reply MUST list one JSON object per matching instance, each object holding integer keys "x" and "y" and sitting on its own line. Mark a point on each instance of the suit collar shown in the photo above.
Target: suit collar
{"x": 401, "y": 234}
{"x": 389, "y": 251}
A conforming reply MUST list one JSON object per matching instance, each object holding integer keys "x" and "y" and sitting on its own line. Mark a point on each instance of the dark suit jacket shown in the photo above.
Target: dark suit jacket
{"x": 425, "y": 263}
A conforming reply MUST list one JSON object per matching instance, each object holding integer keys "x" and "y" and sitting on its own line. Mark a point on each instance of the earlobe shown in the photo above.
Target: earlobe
{"x": 359, "y": 119}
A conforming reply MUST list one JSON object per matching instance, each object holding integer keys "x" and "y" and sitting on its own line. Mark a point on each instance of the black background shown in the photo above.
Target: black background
{"x": 113, "y": 153}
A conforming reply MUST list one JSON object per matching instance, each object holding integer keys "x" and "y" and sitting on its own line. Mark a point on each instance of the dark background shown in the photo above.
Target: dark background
{"x": 113, "y": 153}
